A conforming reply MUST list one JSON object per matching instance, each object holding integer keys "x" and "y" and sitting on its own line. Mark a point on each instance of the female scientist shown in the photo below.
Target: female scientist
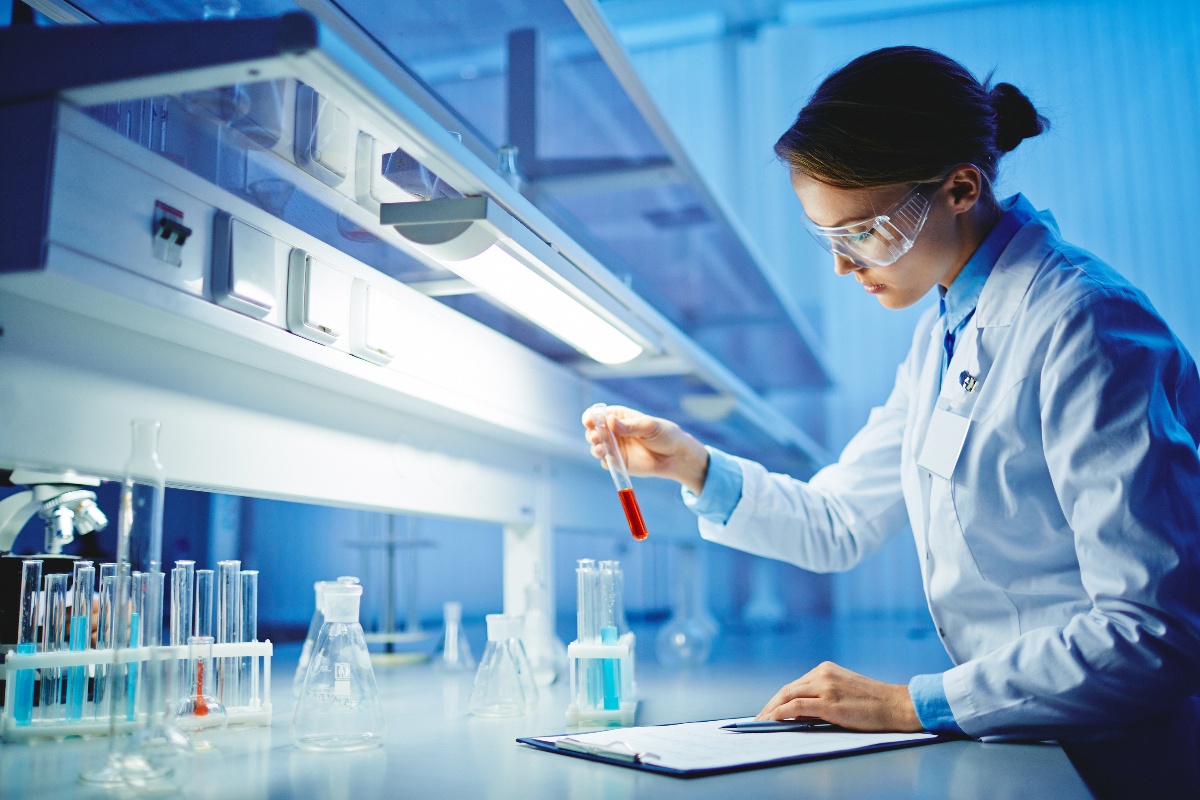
{"x": 1040, "y": 439}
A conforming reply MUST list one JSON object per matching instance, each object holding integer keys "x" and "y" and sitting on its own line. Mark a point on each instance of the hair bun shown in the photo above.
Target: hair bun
{"x": 1016, "y": 118}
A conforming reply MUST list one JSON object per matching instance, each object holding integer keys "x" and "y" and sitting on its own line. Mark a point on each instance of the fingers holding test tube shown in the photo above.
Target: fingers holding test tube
{"x": 647, "y": 446}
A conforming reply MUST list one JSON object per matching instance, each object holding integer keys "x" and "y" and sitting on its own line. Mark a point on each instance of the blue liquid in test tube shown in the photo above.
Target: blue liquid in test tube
{"x": 80, "y": 635}
{"x": 31, "y": 579}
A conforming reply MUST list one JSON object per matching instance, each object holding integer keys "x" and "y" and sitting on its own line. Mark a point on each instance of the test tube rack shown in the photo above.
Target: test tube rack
{"x": 587, "y": 703}
{"x": 257, "y": 715}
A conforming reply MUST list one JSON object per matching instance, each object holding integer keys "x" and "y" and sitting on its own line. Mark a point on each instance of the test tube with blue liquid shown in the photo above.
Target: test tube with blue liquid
{"x": 27, "y": 632}
{"x": 84, "y": 586}
{"x": 137, "y": 610}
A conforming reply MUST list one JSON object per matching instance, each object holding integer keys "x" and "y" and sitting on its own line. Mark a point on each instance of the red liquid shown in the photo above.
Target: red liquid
{"x": 637, "y": 525}
{"x": 200, "y": 708}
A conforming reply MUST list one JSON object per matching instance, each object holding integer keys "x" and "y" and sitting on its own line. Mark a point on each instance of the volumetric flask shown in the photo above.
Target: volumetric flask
{"x": 199, "y": 714}
{"x": 504, "y": 685}
{"x": 338, "y": 709}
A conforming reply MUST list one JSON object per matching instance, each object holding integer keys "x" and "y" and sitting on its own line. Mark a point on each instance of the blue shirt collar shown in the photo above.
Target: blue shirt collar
{"x": 959, "y": 301}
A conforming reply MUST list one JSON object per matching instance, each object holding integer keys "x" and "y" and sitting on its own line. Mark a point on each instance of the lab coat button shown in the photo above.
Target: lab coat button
{"x": 941, "y": 633}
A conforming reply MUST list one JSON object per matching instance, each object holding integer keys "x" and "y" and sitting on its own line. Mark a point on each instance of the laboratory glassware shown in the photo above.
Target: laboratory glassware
{"x": 105, "y": 625}
{"x": 83, "y": 588}
{"x": 27, "y": 635}
{"x": 506, "y": 165}
{"x": 454, "y": 651}
{"x": 598, "y": 414}
{"x": 53, "y": 641}
{"x": 248, "y": 632}
{"x": 685, "y": 639}
{"x": 204, "y": 603}
{"x": 547, "y": 654}
{"x": 182, "y": 591}
{"x": 229, "y": 594}
{"x": 339, "y": 709}
{"x": 199, "y": 714}
{"x": 154, "y": 757}
{"x": 600, "y": 662}
{"x": 314, "y": 630}
{"x": 504, "y": 685}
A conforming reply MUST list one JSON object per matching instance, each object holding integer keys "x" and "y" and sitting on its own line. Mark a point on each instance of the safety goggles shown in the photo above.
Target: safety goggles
{"x": 878, "y": 241}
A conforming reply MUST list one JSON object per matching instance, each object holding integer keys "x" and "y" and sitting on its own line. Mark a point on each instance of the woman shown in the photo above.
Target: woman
{"x": 1040, "y": 440}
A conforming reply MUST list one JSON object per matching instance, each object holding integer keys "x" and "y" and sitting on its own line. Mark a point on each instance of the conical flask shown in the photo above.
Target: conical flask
{"x": 314, "y": 630}
{"x": 454, "y": 651}
{"x": 504, "y": 685}
{"x": 339, "y": 709}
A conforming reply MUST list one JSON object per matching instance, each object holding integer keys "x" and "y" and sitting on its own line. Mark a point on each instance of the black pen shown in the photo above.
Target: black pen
{"x": 778, "y": 726}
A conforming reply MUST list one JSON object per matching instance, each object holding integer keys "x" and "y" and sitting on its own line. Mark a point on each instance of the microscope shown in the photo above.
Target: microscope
{"x": 66, "y": 503}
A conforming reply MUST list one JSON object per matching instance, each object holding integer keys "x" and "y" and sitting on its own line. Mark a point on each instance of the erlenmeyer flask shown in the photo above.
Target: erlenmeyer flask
{"x": 338, "y": 709}
{"x": 504, "y": 685}
{"x": 314, "y": 630}
{"x": 454, "y": 651}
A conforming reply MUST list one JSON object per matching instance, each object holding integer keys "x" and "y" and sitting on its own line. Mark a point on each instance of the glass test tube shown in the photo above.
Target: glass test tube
{"x": 182, "y": 589}
{"x": 229, "y": 594}
{"x": 204, "y": 603}
{"x": 137, "y": 610}
{"x": 248, "y": 632}
{"x": 588, "y": 625}
{"x": 81, "y": 635}
{"x": 53, "y": 640}
{"x": 598, "y": 414}
{"x": 27, "y": 632}
{"x": 105, "y": 625}
{"x": 152, "y": 678}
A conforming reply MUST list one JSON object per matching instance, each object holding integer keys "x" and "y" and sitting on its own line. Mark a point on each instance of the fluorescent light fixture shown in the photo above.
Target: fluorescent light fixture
{"x": 483, "y": 244}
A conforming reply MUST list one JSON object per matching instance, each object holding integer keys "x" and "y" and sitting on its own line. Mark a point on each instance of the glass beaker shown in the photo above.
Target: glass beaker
{"x": 339, "y": 709}
{"x": 504, "y": 685}
{"x": 454, "y": 651}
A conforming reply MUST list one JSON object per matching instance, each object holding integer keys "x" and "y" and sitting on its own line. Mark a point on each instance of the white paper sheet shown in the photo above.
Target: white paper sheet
{"x": 703, "y": 745}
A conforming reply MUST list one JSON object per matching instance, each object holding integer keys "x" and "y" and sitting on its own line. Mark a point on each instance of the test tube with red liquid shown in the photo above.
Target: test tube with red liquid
{"x": 616, "y": 467}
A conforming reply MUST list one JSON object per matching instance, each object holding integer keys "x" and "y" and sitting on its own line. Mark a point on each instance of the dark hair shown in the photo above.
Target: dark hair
{"x": 905, "y": 115}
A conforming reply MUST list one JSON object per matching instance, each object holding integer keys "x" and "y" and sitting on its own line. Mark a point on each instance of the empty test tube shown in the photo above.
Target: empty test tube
{"x": 105, "y": 625}
{"x": 248, "y": 632}
{"x": 53, "y": 641}
{"x": 182, "y": 590}
{"x": 204, "y": 603}
{"x": 229, "y": 595}
{"x": 81, "y": 635}
{"x": 27, "y": 631}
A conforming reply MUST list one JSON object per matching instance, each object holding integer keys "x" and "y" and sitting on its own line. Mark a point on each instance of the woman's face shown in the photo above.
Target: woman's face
{"x": 937, "y": 254}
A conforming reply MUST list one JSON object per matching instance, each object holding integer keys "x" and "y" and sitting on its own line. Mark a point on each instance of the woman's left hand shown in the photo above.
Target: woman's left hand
{"x": 845, "y": 698}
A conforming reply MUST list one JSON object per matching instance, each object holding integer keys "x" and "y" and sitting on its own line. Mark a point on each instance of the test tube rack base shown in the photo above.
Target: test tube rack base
{"x": 588, "y": 696}
{"x": 255, "y": 715}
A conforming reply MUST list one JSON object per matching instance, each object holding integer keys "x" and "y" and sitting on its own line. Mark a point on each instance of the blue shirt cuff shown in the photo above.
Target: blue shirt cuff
{"x": 722, "y": 489}
{"x": 933, "y": 709}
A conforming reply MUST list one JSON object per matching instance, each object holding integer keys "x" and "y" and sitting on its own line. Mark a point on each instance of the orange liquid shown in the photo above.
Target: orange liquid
{"x": 633, "y": 514}
{"x": 200, "y": 708}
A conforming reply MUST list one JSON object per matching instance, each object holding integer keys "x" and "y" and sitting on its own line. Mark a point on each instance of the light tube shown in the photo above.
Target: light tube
{"x": 501, "y": 275}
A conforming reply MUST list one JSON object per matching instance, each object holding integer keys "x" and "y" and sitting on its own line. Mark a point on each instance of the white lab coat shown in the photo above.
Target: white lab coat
{"x": 1060, "y": 549}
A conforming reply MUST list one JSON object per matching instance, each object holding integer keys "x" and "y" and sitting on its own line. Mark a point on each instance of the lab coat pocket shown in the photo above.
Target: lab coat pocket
{"x": 944, "y": 442}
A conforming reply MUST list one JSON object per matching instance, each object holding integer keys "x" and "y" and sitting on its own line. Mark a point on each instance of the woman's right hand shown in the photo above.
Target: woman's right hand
{"x": 653, "y": 447}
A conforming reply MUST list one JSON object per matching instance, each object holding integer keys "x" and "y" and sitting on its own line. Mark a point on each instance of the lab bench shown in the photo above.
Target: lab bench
{"x": 433, "y": 749}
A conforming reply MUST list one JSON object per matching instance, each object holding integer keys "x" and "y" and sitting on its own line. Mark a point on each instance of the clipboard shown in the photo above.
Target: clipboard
{"x": 696, "y": 749}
